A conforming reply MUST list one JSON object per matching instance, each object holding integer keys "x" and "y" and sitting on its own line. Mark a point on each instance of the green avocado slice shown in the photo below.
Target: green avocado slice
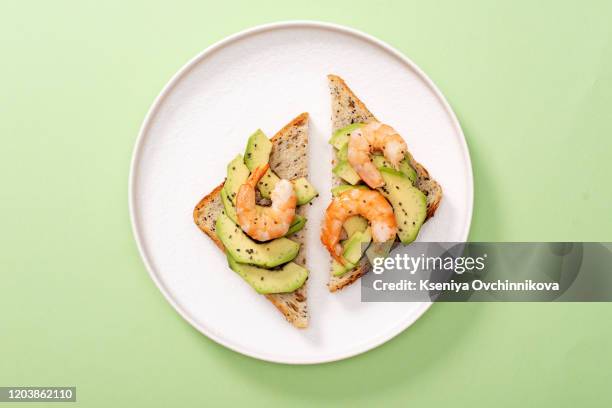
{"x": 409, "y": 203}
{"x": 245, "y": 250}
{"x": 354, "y": 224}
{"x": 297, "y": 224}
{"x": 229, "y": 206}
{"x": 304, "y": 191}
{"x": 341, "y": 136}
{"x": 379, "y": 250}
{"x": 404, "y": 166}
{"x": 336, "y": 191}
{"x": 342, "y": 154}
{"x": 354, "y": 247}
{"x": 237, "y": 173}
{"x": 258, "y": 150}
{"x": 288, "y": 278}
{"x": 344, "y": 170}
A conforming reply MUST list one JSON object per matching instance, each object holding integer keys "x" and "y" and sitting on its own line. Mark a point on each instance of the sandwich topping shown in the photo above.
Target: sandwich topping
{"x": 374, "y": 137}
{"x": 265, "y": 223}
{"x": 369, "y": 204}
{"x": 378, "y": 201}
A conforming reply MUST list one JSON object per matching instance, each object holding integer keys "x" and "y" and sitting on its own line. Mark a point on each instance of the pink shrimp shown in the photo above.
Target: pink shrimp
{"x": 372, "y": 137}
{"x": 265, "y": 223}
{"x": 371, "y": 205}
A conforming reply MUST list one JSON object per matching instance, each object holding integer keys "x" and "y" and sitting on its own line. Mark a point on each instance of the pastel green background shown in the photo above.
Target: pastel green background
{"x": 531, "y": 83}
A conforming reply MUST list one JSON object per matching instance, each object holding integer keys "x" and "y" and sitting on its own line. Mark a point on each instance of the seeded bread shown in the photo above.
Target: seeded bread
{"x": 288, "y": 160}
{"x": 347, "y": 108}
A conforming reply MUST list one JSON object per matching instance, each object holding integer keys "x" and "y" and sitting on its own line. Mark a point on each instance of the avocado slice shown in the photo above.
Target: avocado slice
{"x": 344, "y": 170}
{"x": 336, "y": 191}
{"x": 244, "y": 250}
{"x": 258, "y": 150}
{"x": 304, "y": 191}
{"x": 229, "y": 206}
{"x": 297, "y": 224}
{"x": 339, "y": 270}
{"x": 354, "y": 248}
{"x": 409, "y": 203}
{"x": 342, "y": 154}
{"x": 286, "y": 279}
{"x": 404, "y": 166}
{"x": 257, "y": 154}
{"x": 267, "y": 183}
{"x": 379, "y": 250}
{"x": 354, "y": 224}
{"x": 341, "y": 136}
{"x": 237, "y": 173}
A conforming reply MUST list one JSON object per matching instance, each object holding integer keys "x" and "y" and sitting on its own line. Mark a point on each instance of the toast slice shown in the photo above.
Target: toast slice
{"x": 347, "y": 108}
{"x": 289, "y": 160}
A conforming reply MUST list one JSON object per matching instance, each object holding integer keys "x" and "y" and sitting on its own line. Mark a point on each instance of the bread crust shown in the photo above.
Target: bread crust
{"x": 199, "y": 215}
{"x": 292, "y": 305}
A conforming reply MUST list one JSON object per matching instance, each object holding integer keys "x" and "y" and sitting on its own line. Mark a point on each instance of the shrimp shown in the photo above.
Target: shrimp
{"x": 265, "y": 223}
{"x": 372, "y": 137}
{"x": 371, "y": 205}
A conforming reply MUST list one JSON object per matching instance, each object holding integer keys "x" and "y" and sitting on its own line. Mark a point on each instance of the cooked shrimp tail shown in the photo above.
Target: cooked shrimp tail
{"x": 257, "y": 174}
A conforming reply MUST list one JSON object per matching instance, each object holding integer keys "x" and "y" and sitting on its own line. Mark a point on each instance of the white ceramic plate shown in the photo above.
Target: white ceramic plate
{"x": 262, "y": 78}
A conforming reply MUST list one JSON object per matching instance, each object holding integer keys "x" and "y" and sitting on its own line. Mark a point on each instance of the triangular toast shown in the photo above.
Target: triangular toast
{"x": 288, "y": 160}
{"x": 347, "y": 108}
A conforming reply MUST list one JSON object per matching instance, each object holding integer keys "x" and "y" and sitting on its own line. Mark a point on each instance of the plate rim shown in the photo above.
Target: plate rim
{"x": 137, "y": 152}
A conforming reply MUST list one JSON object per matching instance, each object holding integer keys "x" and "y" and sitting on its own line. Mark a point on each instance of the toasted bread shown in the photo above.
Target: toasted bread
{"x": 289, "y": 160}
{"x": 347, "y": 108}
